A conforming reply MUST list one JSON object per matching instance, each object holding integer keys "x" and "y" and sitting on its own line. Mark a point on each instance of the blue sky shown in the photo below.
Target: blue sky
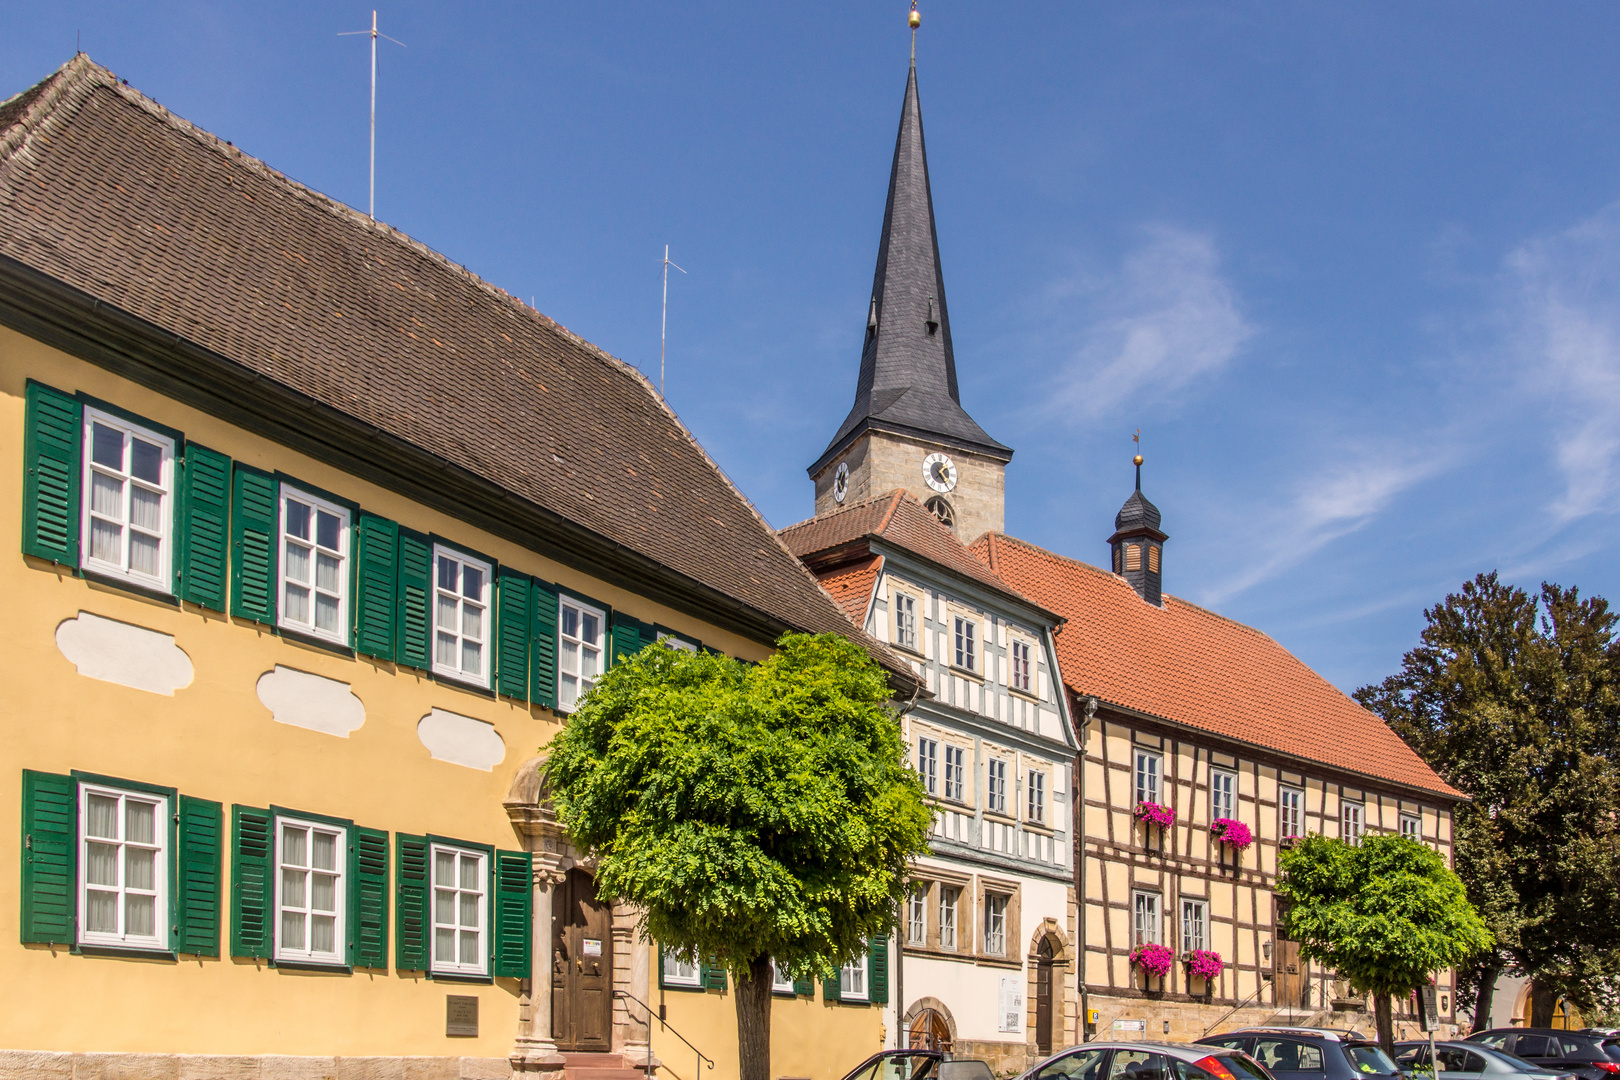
{"x": 1353, "y": 269}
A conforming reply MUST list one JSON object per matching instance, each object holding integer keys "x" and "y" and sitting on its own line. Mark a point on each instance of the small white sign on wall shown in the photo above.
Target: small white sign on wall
{"x": 1130, "y": 1025}
{"x": 1011, "y": 1010}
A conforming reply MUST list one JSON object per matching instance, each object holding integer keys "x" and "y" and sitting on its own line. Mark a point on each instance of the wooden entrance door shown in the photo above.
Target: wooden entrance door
{"x": 929, "y": 1031}
{"x": 1043, "y": 997}
{"x": 1291, "y": 983}
{"x": 581, "y": 967}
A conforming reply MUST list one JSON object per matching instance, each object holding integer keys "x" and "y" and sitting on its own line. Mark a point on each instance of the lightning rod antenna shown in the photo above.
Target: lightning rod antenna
{"x": 371, "y": 207}
{"x": 663, "y": 328}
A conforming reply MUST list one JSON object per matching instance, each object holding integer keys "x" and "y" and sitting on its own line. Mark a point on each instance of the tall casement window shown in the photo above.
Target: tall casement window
{"x": 852, "y": 981}
{"x": 955, "y": 773}
{"x": 949, "y": 900}
{"x": 1145, "y": 928}
{"x": 310, "y": 891}
{"x": 905, "y": 621}
{"x": 1194, "y": 926}
{"x": 1019, "y": 677}
{"x": 1148, "y": 768}
{"x": 679, "y": 973}
{"x": 1221, "y": 787}
{"x": 460, "y": 910}
{"x": 314, "y": 565}
{"x": 995, "y": 924}
{"x": 1350, "y": 822}
{"x": 1037, "y": 797}
{"x": 461, "y": 616}
{"x": 579, "y": 650}
{"x": 1290, "y": 812}
{"x": 928, "y": 764}
{"x": 967, "y": 643}
{"x": 1412, "y": 826}
{"x": 781, "y": 981}
{"x": 995, "y": 789}
{"x": 123, "y": 845}
{"x": 128, "y": 503}
{"x": 917, "y": 915}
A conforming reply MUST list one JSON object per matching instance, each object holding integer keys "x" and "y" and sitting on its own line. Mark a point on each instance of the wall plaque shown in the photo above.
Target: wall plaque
{"x": 593, "y": 946}
{"x": 461, "y": 1016}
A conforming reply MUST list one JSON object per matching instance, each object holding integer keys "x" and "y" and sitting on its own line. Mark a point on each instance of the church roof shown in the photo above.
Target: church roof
{"x": 907, "y": 381}
{"x": 1190, "y": 666}
{"x": 148, "y": 227}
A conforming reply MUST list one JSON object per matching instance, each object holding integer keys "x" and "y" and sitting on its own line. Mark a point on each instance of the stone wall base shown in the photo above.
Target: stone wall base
{"x": 45, "y": 1065}
{"x": 1004, "y": 1058}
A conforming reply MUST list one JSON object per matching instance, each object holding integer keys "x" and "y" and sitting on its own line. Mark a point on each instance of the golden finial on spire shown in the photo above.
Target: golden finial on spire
{"x": 915, "y": 18}
{"x": 1137, "y": 439}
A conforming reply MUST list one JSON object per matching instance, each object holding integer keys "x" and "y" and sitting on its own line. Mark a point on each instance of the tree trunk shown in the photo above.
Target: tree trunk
{"x": 754, "y": 1021}
{"x": 1384, "y": 1013}
{"x": 1541, "y": 1006}
{"x": 1487, "y": 990}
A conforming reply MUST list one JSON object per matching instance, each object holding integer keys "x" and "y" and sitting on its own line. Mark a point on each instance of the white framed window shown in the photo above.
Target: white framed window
{"x": 905, "y": 621}
{"x": 1350, "y": 822}
{"x": 579, "y": 650}
{"x": 852, "y": 981}
{"x": 679, "y": 973}
{"x": 1222, "y": 785}
{"x": 1037, "y": 797}
{"x": 949, "y": 899}
{"x": 1194, "y": 925}
{"x": 995, "y": 924}
{"x": 127, "y": 508}
{"x": 1145, "y": 907}
{"x": 967, "y": 643}
{"x": 314, "y": 566}
{"x": 676, "y": 643}
{"x": 917, "y": 915}
{"x": 1149, "y": 767}
{"x": 995, "y": 788}
{"x": 310, "y": 891}
{"x": 1018, "y": 675}
{"x": 461, "y": 622}
{"x": 928, "y": 764}
{"x": 1290, "y": 812}
{"x": 781, "y": 981}
{"x": 460, "y": 910}
{"x": 1412, "y": 827}
{"x": 955, "y": 772}
{"x": 123, "y": 853}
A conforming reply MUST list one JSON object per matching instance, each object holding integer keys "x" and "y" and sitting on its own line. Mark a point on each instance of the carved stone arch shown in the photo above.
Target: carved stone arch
{"x": 1046, "y": 997}
{"x": 1051, "y": 930}
{"x": 923, "y": 1019}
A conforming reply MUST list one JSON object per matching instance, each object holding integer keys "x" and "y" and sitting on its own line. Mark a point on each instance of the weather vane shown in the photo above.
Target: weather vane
{"x": 1137, "y": 439}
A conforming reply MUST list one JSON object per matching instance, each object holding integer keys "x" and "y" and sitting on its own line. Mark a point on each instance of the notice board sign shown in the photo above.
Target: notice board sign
{"x": 461, "y": 1016}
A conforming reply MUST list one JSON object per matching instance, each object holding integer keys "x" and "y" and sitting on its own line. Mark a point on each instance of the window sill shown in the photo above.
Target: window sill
{"x": 124, "y": 584}
{"x": 965, "y": 673}
{"x": 1027, "y": 695}
{"x": 460, "y": 977}
{"x": 323, "y": 966}
{"x": 683, "y": 988}
{"x": 1000, "y": 817}
{"x": 130, "y": 952}
{"x": 459, "y": 682}
{"x": 305, "y": 637}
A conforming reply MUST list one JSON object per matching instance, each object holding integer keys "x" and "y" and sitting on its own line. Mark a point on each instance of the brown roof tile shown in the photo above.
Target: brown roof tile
{"x": 852, "y": 584}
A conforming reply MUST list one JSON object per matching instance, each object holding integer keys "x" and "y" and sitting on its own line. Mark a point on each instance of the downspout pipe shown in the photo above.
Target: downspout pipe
{"x": 1079, "y": 818}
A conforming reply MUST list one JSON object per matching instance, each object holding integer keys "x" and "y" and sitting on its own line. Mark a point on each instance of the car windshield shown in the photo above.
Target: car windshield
{"x": 1368, "y": 1058}
{"x": 898, "y": 1067}
{"x": 1611, "y": 1049}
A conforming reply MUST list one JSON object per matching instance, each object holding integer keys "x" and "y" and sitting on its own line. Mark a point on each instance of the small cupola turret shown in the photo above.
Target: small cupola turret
{"x": 1138, "y": 544}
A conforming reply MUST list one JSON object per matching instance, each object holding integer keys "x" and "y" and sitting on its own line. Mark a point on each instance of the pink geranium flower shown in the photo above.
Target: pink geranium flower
{"x": 1231, "y": 831}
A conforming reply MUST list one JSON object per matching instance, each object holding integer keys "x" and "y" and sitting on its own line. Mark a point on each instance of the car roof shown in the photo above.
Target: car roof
{"x": 1329, "y": 1034}
{"x": 1184, "y": 1051}
{"x": 1535, "y": 1031}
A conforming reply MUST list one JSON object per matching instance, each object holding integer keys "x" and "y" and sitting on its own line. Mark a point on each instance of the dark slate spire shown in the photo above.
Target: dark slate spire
{"x": 908, "y": 370}
{"x": 1138, "y": 544}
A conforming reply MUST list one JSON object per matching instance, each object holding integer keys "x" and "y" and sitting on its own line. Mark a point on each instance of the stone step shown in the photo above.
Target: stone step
{"x": 625, "y": 1073}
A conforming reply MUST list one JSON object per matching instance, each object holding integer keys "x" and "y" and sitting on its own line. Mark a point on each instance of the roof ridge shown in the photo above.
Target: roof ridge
{"x": 897, "y": 496}
{"x": 836, "y": 512}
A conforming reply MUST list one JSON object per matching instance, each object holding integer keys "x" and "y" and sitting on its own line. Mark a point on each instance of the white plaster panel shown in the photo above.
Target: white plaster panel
{"x": 461, "y": 740}
{"x": 123, "y": 653}
{"x": 311, "y": 701}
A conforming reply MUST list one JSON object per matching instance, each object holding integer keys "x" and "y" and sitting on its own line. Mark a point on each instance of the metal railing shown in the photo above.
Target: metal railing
{"x": 662, "y": 1023}
{"x": 1258, "y": 991}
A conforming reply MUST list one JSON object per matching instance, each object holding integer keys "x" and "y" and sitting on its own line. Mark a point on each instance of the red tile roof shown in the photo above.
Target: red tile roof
{"x": 1194, "y": 667}
{"x": 852, "y": 584}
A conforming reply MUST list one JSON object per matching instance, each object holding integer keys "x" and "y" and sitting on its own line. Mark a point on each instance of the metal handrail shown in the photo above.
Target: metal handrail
{"x": 702, "y": 1057}
{"x": 1258, "y": 991}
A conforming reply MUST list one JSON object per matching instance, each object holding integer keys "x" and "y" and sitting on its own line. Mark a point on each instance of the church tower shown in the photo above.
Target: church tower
{"x": 907, "y": 428}
{"x": 1137, "y": 546}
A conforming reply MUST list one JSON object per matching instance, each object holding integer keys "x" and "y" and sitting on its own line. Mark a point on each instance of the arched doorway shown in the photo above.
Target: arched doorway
{"x": 930, "y": 1031}
{"x": 1045, "y": 996}
{"x": 581, "y": 966}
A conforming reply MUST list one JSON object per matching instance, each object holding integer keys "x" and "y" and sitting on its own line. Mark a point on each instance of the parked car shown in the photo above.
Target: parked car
{"x": 1473, "y": 1061}
{"x": 1147, "y": 1061}
{"x": 918, "y": 1065}
{"x": 1310, "y": 1053}
{"x": 1590, "y": 1057}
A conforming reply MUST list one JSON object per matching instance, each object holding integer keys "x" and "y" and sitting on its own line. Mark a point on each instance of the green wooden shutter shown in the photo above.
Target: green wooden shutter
{"x": 197, "y": 877}
{"x": 625, "y": 636}
{"x": 368, "y": 909}
{"x": 649, "y": 634}
{"x": 52, "y": 442}
{"x": 877, "y": 971}
{"x": 415, "y": 581}
{"x": 50, "y": 826}
{"x": 376, "y": 580}
{"x": 829, "y": 985}
{"x": 204, "y": 527}
{"x": 514, "y": 884}
{"x": 712, "y": 978}
{"x": 411, "y": 904}
{"x": 806, "y": 985}
{"x": 252, "y": 895}
{"x": 514, "y": 618}
{"x": 254, "y": 514}
{"x": 543, "y": 655}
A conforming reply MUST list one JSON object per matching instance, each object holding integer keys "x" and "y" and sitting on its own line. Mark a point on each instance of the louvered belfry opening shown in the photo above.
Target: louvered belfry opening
{"x": 1137, "y": 545}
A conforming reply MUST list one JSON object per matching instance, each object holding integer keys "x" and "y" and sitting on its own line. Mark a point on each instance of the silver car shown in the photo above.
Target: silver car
{"x": 1147, "y": 1061}
{"x": 1473, "y": 1061}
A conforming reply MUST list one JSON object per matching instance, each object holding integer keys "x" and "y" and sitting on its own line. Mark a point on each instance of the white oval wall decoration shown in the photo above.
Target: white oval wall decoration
{"x": 311, "y": 701}
{"x": 123, "y": 653}
{"x": 461, "y": 740}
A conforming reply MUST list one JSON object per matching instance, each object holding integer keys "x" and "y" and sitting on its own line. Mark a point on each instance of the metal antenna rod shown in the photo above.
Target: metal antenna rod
{"x": 371, "y": 208}
{"x": 663, "y": 329}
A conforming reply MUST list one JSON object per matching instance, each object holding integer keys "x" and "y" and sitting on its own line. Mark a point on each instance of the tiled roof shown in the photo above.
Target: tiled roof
{"x": 852, "y": 584}
{"x": 106, "y": 191}
{"x": 1191, "y": 666}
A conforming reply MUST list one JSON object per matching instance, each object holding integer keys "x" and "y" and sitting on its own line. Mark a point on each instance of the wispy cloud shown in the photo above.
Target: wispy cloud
{"x": 1162, "y": 320}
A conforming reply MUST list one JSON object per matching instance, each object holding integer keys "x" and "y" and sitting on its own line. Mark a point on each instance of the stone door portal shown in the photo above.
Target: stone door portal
{"x": 1043, "y": 997}
{"x": 1290, "y": 970}
{"x": 581, "y": 967}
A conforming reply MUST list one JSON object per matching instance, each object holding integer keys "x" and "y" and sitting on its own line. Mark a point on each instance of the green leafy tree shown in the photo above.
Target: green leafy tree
{"x": 1515, "y": 700}
{"x": 1385, "y": 914}
{"x": 752, "y": 813}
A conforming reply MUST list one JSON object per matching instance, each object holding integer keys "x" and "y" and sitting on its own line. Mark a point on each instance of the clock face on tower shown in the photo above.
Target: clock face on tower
{"x": 841, "y": 482}
{"x": 940, "y": 472}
